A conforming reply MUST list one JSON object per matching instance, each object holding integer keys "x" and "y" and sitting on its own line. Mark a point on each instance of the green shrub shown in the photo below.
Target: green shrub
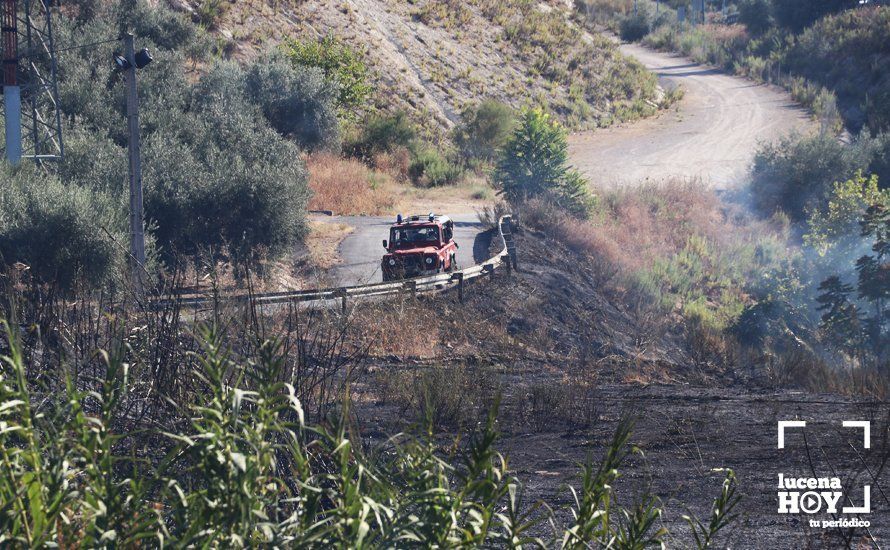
{"x": 340, "y": 63}
{"x": 217, "y": 176}
{"x": 429, "y": 168}
{"x": 877, "y": 109}
{"x": 797, "y": 15}
{"x": 534, "y": 164}
{"x": 634, "y": 27}
{"x": 86, "y": 9}
{"x": 829, "y": 57}
{"x": 880, "y": 161}
{"x": 225, "y": 181}
{"x": 296, "y": 101}
{"x": 845, "y": 53}
{"x": 210, "y": 12}
{"x": 149, "y": 21}
{"x": 836, "y": 225}
{"x": 94, "y": 162}
{"x": 798, "y": 173}
{"x": 603, "y": 85}
{"x": 65, "y": 233}
{"x": 484, "y": 129}
{"x": 755, "y": 15}
{"x": 385, "y": 133}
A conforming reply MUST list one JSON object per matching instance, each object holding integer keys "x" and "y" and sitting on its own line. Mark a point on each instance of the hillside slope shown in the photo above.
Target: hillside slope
{"x": 432, "y": 57}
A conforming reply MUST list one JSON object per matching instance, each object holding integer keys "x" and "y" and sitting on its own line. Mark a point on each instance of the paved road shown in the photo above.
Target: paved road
{"x": 362, "y": 249}
{"x": 713, "y": 135}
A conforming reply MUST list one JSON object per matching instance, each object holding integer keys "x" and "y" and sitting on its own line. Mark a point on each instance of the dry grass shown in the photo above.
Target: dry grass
{"x": 655, "y": 221}
{"x": 402, "y": 329}
{"x": 421, "y": 328}
{"x": 394, "y": 163}
{"x": 676, "y": 246}
{"x": 636, "y": 225}
{"x": 324, "y": 238}
{"x": 469, "y": 195}
{"x": 347, "y": 186}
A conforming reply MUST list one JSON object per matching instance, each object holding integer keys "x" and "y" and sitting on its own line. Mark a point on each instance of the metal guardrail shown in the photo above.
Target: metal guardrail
{"x": 506, "y": 258}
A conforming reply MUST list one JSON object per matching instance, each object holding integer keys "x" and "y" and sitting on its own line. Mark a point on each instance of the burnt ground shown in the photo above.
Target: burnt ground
{"x": 683, "y": 433}
{"x": 572, "y": 359}
{"x": 686, "y": 432}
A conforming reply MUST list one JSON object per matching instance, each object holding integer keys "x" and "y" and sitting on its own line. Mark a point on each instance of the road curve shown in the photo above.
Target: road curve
{"x": 362, "y": 249}
{"x": 713, "y": 135}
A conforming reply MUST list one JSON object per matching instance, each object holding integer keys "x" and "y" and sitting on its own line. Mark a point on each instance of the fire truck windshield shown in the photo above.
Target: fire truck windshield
{"x": 401, "y": 236}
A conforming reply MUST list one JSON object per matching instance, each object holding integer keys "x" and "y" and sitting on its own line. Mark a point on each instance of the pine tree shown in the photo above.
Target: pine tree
{"x": 840, "y": 317}
{"x": 534, "y": 164}
{"x": 874, "y": 271}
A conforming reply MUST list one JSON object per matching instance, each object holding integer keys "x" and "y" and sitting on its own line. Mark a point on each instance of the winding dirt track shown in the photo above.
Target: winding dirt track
{"x": 712, "y": 135}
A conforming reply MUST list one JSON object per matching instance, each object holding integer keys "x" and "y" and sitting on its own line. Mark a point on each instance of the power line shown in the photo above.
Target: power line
{"x": 80, "y": 46}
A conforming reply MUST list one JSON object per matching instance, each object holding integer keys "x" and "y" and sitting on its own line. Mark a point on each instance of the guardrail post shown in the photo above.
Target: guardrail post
{"x": 508, "y": 264}
{"x": 507, "y": 233}
{"x": 488, "y": 268}
{"x": 412, "y": 287}
{"x": 341, "y": 293}
{"x": 459, "y": 277}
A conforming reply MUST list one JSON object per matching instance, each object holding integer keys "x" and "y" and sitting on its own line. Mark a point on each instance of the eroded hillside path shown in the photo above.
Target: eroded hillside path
{"x": 712, "y": 134}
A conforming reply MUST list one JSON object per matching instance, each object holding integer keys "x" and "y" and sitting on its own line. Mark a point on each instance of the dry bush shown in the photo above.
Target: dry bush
{"x": 650, "y": 319}
{"x": 405, "y": 329}
{"x": 579, "y": 235}
{"x": 636, "y": 225}
{"x": 570, "y": 402}
{"x": 655, "y": 221}
{"x": 490, "y": 215}
{"x": 347, "y": 186}
{"x": 395, "y": 163}
{"x": 688, "y": 250}
{"x": 426, "y": 327}
{"x": 705, "y": 344}
{"x": 440, "y": 396}
{"x": 802, "y": 368}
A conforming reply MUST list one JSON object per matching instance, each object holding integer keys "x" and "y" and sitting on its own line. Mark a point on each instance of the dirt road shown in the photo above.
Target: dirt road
{"x": 712, "y": 135}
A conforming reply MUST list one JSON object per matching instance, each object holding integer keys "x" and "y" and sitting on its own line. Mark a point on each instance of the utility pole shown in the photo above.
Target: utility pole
{"x": 137, "y": 225}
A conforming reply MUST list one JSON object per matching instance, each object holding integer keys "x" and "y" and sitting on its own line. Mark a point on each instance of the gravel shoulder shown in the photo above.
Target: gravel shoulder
{"x": 712, "y": 134}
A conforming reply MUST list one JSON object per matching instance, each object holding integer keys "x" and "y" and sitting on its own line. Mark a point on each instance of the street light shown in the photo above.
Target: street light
{"x": 143, "y": 58}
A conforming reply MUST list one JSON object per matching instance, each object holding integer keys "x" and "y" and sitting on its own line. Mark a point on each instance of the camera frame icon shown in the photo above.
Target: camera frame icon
{"x": 809, "y": 506}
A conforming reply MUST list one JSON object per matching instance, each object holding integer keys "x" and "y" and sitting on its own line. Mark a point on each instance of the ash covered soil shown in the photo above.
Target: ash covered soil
{"x": 685, "y": 432}
{"x": 571, "y": 361}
